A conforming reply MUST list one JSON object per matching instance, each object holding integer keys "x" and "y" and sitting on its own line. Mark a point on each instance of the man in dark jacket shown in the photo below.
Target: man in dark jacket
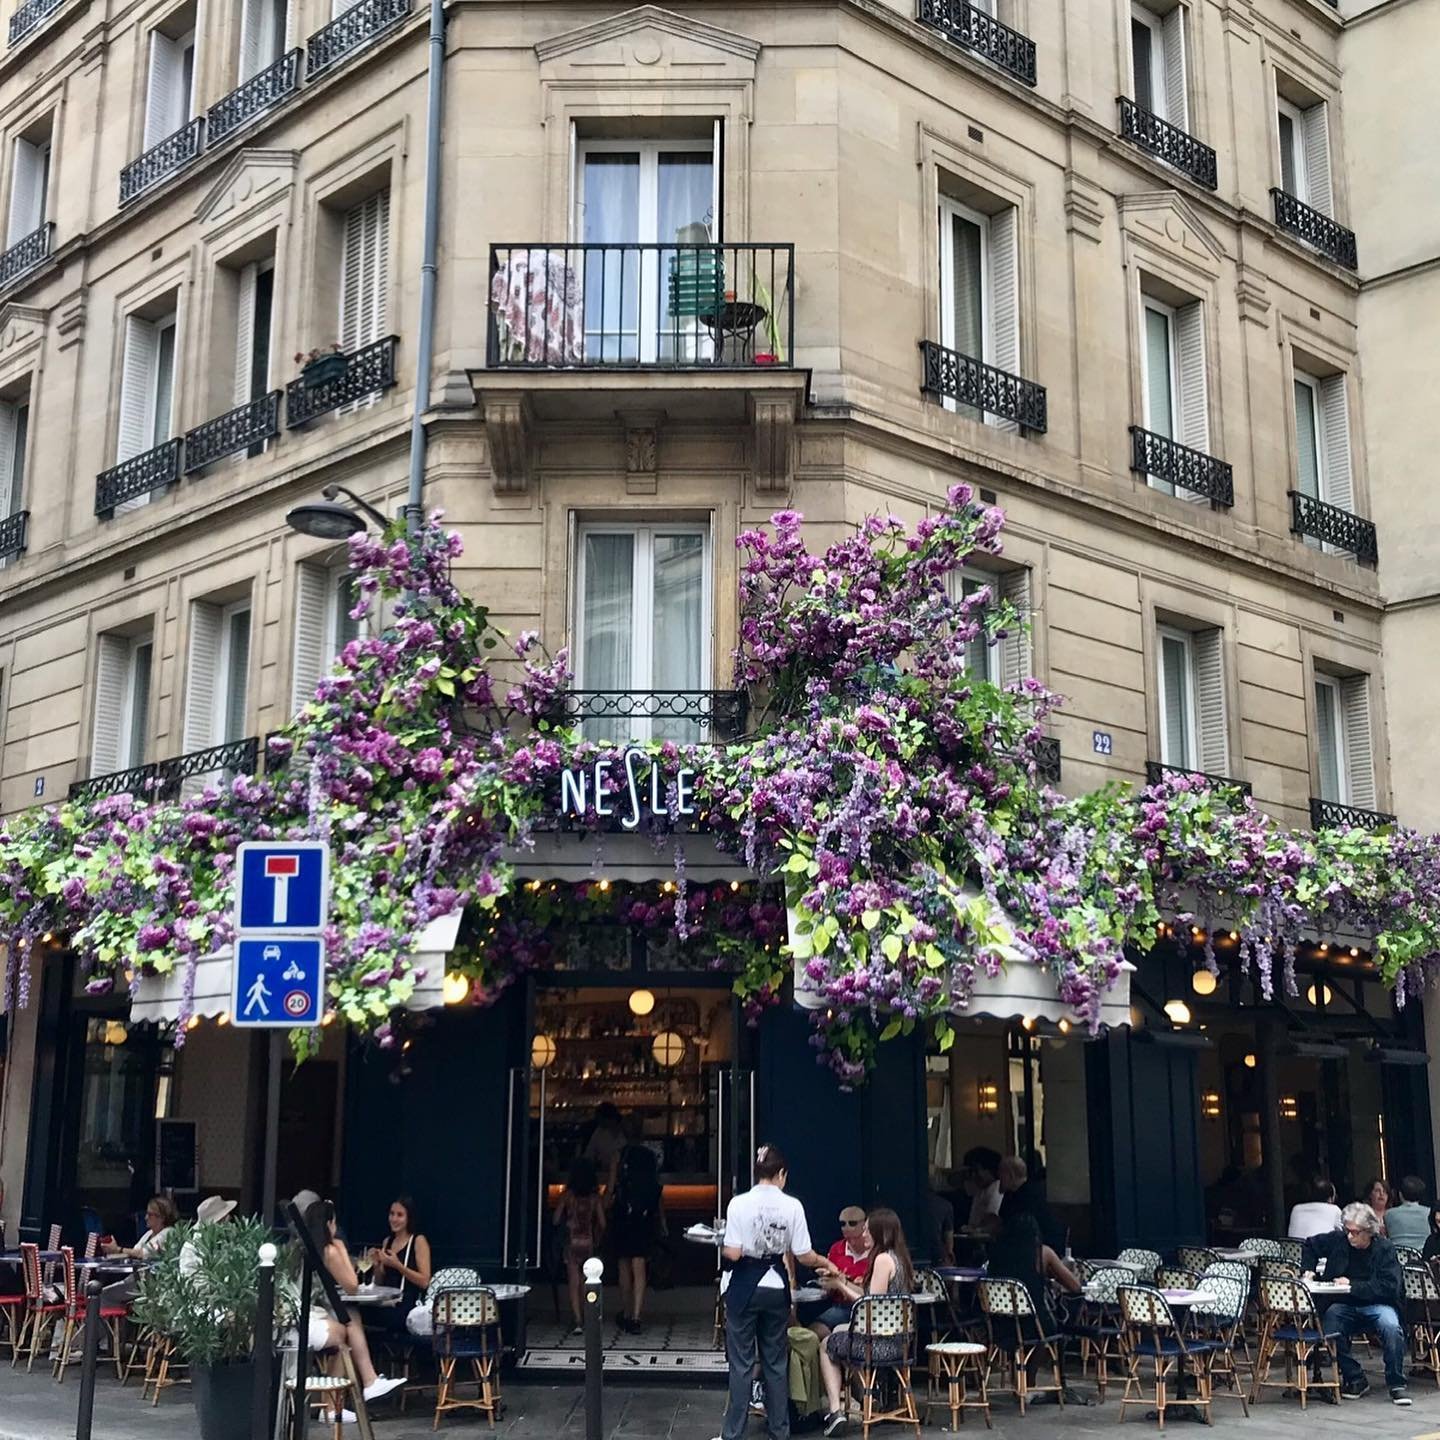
{"x": 1361, "y": 1258}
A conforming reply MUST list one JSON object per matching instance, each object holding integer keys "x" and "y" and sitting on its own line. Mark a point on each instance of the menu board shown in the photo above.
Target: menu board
{"x": 176, "y": 1157}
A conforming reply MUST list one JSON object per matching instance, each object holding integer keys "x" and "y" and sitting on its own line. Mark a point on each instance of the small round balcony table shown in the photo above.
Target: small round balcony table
{"x": 735, "y": 320}
{"x": 957, "y": 1363}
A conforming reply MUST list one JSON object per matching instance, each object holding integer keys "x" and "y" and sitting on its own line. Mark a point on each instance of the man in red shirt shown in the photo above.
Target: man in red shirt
{"x": 850, "y": 1254}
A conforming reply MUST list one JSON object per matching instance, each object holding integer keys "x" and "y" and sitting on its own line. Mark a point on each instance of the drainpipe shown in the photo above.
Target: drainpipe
{"x": 425, "y": 350}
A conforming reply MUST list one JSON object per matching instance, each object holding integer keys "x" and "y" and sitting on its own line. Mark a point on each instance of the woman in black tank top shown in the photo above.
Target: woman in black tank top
{"x": 403, "y": 1259}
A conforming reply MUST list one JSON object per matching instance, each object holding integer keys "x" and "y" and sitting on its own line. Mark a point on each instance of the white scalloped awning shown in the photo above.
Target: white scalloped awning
{"x": 576, "y": 856}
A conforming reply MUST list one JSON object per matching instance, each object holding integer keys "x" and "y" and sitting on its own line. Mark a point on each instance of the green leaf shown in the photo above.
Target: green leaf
{"x": 890, "y": 1031}
{"x": 870, "y": 919}
{"x": 891, "y": 947}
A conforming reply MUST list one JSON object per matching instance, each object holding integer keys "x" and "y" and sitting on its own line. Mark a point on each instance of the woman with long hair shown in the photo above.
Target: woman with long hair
{"x": 1379, "y": 1197}
{"x": 634, "y": 1226}
{"x": 405, "y": 1253}
{"x": 890, "y": 1272}
{"x": 580, "y": 1211}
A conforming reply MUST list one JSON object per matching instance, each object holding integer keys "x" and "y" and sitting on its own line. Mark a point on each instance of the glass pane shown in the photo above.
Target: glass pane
{"x": 1287, "y": 155}
{"x": 1175, "y": 678}
{"x": 1159, "y": 401}
{"x": 677, "y": 635}
{"x": 695, "y": 281}
{"x": 139, "y": 705}
{"x": 1327, "y": 740}
{"x": 1140, "y": 43}
{"x": 347, "y": 628}
{"x": 16, "y": 478}
{"x": 164, "y": 384}
{"x": 117, "y": 1106}
{"x": 979, "y": 655}
{"x": 236, "y": 674}
{"x": 607, "y": 624}
{"x": 1306, "y": 450}
{"x": 686, "y": 197}
{"x": 611, "y": 278}
{"x": 967, "y": 302}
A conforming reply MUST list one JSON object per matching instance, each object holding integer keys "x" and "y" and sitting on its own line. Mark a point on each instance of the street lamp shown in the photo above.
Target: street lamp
{"x": 328, "y": 520}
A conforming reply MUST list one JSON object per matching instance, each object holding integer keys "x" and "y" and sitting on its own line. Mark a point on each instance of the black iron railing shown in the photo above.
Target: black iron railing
{"x": 667, "y": 307}
{"x": 717, "y": 715}
{"x": 982, "y": 33}
{"x": 1316, "y": 229}
{"x": 349, "y": 31}
{"x": 1332, "y": 815}
{"x": 14, "y": 530}
{"x": 249, "y": 424}
{"x": 1168, "y": 142}
{"x": 1155, "y": 772}
{"x": 1047, "y": 759}
{"x": 367, "y": 372}
{"x": 140, "y": 474}
{"x": 1333, "y": 526}
{"x": 256, "y": 95}
{"x": 1193, "y": 470}
{"x": 25, "y": 254}
{"x": 28, "y": 17}
{"x": 971, "y": 382}
{"x": 163, "y": 779}
{"x": 160, "y": 161}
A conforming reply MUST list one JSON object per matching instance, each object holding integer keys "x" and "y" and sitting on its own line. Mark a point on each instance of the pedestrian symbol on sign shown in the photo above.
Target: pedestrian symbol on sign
{"x": 256, "y": 996}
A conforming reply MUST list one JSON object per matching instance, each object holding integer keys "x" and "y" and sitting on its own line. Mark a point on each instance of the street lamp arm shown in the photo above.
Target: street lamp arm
{"x": 331, "y": 491}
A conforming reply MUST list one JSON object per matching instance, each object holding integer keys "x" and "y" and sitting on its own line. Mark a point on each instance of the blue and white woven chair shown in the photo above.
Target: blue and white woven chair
{"x": 1152, "y": 1334}
{"x": 880, "y": 1340}
{"x": 1290, "y": 1326}
{"x": 1018, "y": 1334}
{"x": 467, "y": 1328}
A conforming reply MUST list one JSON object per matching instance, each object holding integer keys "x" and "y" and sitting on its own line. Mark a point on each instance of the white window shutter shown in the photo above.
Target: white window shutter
{"x": 1172, "y": 29}
{"x": 363, "y": 272}
{"x": 1209, "y": 652}
{"x": 163, "y": 100}
{"x": 1337, "y": 488}
{"x": 339, "y": 7}
{"x": 1004, "y": 297}
{"x": 244, "y": 331}
{"x": 1316, "y": 139}
{"x": 112, "y": 667}
{"x": 137, "y": 388}
{"x": 312, "y": 591}
{"x": 1014, "y": 586}
{"x": 202, "y": 675}
{"x": 1193, "y": 428}
{"x": 27, "y": 200}
{"x": 236, "y": 712}
{"x": 1359, "y": 755}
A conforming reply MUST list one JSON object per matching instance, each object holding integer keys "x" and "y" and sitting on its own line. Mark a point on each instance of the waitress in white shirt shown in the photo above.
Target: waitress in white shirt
{"x": 762, "y": 1227}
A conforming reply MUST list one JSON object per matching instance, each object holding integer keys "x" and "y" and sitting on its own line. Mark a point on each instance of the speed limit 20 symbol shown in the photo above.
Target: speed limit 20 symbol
{"x": 297, "y": 1003}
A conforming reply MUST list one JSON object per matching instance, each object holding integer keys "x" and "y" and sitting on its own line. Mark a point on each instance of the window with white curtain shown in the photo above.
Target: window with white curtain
{"x": 979, "y": 290}
{"x": 1304, "y": 137}
{"x": 1322, "y": 443}
{"x": 1343, "y": 744}
{"x": 642, "y": 622}
{"x": 1193, "y": 729}
{"x": 324, "y": 626}
{"x": 1174, "y": 392}
{"x": 1007, "y": 661}
{"x": 29, "y": 184}
{"x": 1157, "y": 63}
{"x": 120, "y": 735}
{"x": 170, "y": 85}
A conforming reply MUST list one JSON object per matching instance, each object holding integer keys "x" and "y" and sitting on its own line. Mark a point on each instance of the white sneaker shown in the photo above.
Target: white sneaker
{"x": 349, "y": 1417}
{"x": 382, "y": 1386}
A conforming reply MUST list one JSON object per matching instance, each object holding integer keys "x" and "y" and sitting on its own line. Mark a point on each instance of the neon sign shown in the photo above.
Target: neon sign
{"x": 618, "y": 786}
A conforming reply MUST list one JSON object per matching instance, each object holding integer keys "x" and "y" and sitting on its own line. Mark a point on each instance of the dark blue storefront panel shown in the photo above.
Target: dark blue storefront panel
{"x": 893, "y": 1109}
{"x": 438, "y": 1134}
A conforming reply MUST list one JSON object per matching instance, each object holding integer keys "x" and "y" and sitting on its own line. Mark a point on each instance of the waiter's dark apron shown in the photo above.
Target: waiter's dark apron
{"x": 746, "y": 1274}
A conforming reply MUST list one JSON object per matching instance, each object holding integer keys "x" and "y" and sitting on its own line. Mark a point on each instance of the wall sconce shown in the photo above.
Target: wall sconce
{"x": 1250, "y": 1061}
{"x": 455, "y": 988}
{"x": 1210, "y": 1104}
{"x": 988, "y": 1097}
{"x": 542, "y": 1052}
{"x": 1319, "y": 995}
{"x": 1289, "y": 1108}
{"x": 668, "y": 1048}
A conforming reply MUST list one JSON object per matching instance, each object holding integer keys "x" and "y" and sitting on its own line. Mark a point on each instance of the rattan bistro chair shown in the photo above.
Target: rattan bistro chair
{"x": 1143, "y": 1262}
{"x": 1176, "y": 1277}
{"x": 1265, "y": 1249}
{"x": 1290, "y": 1324}
{"x": 467, "y": 1327}
{"x": 41, "y": 1315}
{"x": 1095, "y": 1322}
{"x": 1422, "y": 1316}
{"x": 1195, "y": 1257}
{"x": 881, "y": 1339}
{"x": 112, "y": 1317}
{"x": 1017, "y": 1335}
{"x": 1152, "y": 1334}
{"x": 1221, "y": 1320}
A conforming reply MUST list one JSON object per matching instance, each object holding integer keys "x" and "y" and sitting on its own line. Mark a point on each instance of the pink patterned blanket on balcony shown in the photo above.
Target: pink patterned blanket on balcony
{"x": 539, "y": 311}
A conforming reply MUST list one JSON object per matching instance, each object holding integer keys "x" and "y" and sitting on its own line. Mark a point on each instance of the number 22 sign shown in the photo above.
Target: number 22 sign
{"x": 1104, "y": 745}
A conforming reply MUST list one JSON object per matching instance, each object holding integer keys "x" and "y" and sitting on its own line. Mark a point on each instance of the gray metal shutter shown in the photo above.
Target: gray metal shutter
{"x": 202, "y": 675}
{"x": 312, "y": 591}
{"x": 1359, "y": 748}
{"x": 1015, "y": 655}
{"x": 1005, "y": 298}
{"x": 1172, "y": 29}
{"x": 112, "y": 670}
{"x": 1209, "y": 651}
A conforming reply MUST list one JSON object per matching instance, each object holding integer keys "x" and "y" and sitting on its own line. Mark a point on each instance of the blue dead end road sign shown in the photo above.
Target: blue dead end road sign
{"x": 279, "y": 982}
{"x": 282, "y": 887}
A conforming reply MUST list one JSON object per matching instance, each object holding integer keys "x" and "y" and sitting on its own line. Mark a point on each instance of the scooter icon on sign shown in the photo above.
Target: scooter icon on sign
{"x": 292, "y": 972}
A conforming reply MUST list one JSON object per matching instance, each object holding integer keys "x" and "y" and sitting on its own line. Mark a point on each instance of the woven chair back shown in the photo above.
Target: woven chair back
{"x": 30, "y": 1263}
{"x": 1195, "y": 1257}
{"x": 1282, "y": 1295}
{"x": 1143, "y": 1262}
{"x": 1145, "y": 1305}
{"x": 1104, "y": 1284}
{"x": 1420, "y": 1284}
{"x": 1176, "y": 1277}
{"x": 467, "y": 1309}
{"x": 1230, "y": 1296}
{"x": 1266, "y": 1249}
{"x": 1005, "y": 1298}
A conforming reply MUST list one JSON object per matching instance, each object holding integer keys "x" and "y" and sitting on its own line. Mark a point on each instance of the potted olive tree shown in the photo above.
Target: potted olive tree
{"x": 203, "y": 1292}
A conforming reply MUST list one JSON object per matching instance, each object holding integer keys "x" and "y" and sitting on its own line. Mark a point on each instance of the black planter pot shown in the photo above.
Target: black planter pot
{"x": 324, "y": 370}
{"x": 224, "y": 1396}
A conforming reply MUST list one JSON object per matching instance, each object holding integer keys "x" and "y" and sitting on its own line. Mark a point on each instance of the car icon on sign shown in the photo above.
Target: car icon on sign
{"x": 271, "y": 952}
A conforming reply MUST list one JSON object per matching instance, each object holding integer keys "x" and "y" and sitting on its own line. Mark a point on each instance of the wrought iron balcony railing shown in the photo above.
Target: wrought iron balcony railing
{"x": 255, "y": 96}
{"x": 14, "y": 530}
{"x": 1155, "y": 772}
{"x": 354, "y": 27}
{"x": 161, "y": 161}
{"x": 249, "y": 424}
{"x": 367, "y": 372}
{"x": 164, "y": 779}
{"x": 28, "y": 17}
{"x": 25, "y": 254}
{"x": 1333, "y": 526}
{"x": 139, "y": 475}
{"x": 1316, "y": 229}
{"x": 1168, "y": 142}
{"x": 982, "y": 33}
{"x": 665, "y": 307}
{"x": 982, "y": 387}
{"x": 684, "y": 715}
{"x": 1332, "y": 815}
{"x": 1047, "y": 759}
{"x": 1192, "y": 470}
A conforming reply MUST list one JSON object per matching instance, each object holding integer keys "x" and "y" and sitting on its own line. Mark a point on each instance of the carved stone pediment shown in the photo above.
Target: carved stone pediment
{"x": 21, "y": 328}
{"x": 637, "y": 43}
{"x": 1165, "y": 220}
{"x": 253, "y": 177}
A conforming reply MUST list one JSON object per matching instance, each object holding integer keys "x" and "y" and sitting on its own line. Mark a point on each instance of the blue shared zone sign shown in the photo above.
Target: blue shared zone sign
{"x": 282, "y": 887}
{"x": 279, "y": 981}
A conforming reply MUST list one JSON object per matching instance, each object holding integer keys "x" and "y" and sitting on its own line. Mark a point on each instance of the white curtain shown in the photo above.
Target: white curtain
{"x": 1327, "y": 739}
{"x": 608, "y": 624}
{"x": 1175, "y": 697}
{"x": 676, "y": 641}
{"x": 611, "y": 278}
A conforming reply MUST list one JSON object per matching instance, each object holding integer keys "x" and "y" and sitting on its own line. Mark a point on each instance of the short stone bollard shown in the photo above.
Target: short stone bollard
{"x": 594, "y": 1349}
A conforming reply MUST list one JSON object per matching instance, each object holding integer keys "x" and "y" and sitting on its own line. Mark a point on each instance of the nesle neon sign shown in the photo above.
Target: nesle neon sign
{"x": 621, "y": 779}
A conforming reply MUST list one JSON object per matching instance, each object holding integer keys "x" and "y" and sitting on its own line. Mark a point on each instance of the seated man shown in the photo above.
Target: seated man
{"x": 1020, "y": 1195}
{"x": 850, "y": 1255}
{"x": 1362, "y": 1259}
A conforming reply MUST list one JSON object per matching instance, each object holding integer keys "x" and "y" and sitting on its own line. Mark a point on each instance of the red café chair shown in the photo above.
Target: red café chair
{"x": 76, "y": 1302}
{"x": 41, "y": 1316}
{"x": 12, "y": 1309}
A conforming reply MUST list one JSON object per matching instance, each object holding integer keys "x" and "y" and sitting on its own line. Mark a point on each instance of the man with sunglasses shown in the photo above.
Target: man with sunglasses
{"x": 1360, "y": 1258}
{"x": 850, "y": 1254}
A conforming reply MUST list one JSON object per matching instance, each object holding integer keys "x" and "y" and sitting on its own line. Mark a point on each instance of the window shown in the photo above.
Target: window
{"x": 638, "y": 193}
{"x": 1173, "y": 388}
{"x": 29, "y": 183}
{"x": 1007, "y": 661}
{"x": 643, "y": 595}
{"x": 1305, "y": 153}
{"x": 147, "y": 391}
{"x": 364, "y": 272}
{"x": 1322, "y": 443}
{"x": 1157, "y": 62}
{"x": 217, "y": 674}
{"x": 979, "y": 295}
{"x": 170, "y": 89}
{"x": 254, "y": 302}
{"x": 1193, "y": 732}
{"x": 324, "y": 626}
{"x": 262, "y": 35}
{"x": 122, "y": 703}
{"x": 14, "y": 435}
{"x": 1342, "y": 740}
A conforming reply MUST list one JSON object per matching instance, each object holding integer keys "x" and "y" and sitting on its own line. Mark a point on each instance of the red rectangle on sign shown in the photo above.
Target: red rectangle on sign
{"x": 282, "y": 864}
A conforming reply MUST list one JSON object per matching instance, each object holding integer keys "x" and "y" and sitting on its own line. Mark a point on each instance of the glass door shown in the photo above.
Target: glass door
{"x": 732, "y": 1107}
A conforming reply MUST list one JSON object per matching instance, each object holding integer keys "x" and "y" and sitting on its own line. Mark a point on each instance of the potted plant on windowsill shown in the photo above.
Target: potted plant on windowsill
{"x": 322, "y": 366}
{"x": 206, "y": 1305}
